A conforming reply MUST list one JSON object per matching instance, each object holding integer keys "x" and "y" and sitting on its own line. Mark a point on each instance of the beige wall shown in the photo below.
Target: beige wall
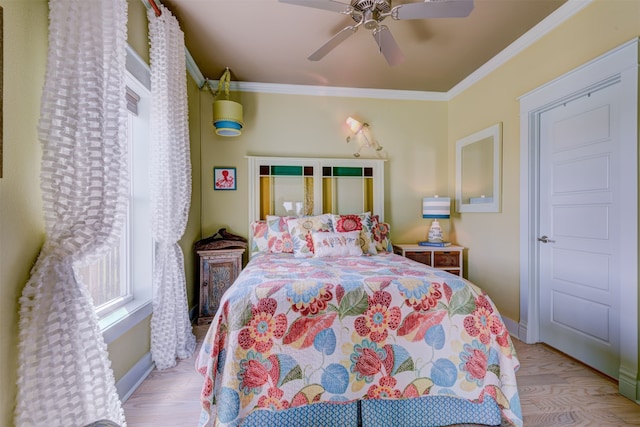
{"x": 193, "y": 233}
{"x": 493, "y": 238}
{"x": 413, "y": 134}
{"x": 137, "y": 28}
{"x": 21, "y": 218}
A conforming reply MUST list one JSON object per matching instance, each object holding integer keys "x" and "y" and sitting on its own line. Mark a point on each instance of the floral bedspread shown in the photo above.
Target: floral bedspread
{"x": 291, "y": 332}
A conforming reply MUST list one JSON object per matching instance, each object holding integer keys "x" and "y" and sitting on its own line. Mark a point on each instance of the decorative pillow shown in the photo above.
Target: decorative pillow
{"x": 301, "y": 229}
{"x": 380, "y": 233}
{"x": 330, "y": 244}
{"x": 278, "y": 237}
{"x": 361, "y": 222}
{"x": 259, "y": 241}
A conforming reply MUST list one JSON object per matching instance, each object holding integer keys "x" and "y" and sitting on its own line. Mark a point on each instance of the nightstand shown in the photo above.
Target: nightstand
{"x": 220, "y": 264}
{"x": 219, "y": 268}
{"x": 447, "y": 258}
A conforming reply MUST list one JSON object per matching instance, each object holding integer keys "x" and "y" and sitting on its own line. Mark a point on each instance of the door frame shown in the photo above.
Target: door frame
{"x": 616, "y": 67}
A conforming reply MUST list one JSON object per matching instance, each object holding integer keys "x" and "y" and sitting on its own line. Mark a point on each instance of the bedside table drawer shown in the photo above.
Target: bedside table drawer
{"x": 445, "y": 259}
{"x": 423, "y": 257}
{"x": 449, "y": 258}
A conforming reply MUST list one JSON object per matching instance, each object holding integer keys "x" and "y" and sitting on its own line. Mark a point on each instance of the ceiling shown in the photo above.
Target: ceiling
{"x": 266, "y": 41}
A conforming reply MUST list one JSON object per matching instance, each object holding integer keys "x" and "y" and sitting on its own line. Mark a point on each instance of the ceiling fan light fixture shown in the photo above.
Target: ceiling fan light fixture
{"x": 370, "y": 12}
{"x": 369, "y": 21}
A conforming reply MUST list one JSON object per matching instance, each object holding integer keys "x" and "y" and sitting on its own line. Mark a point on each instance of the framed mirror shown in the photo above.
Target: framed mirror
{"x": 478, "y": 171}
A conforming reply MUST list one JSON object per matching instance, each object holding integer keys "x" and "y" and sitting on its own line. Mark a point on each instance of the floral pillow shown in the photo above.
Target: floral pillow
{"x": 259, "y": 241}
{"x": 300, "y": 230}
{"x": 381, "y": 235}
{"x": 330, "y": 244}
{"x": 278, "y": 236}
{"x": 361, "y": 222}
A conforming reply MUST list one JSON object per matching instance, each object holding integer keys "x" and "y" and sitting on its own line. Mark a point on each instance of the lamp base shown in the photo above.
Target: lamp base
{"x": 435, "y": 233}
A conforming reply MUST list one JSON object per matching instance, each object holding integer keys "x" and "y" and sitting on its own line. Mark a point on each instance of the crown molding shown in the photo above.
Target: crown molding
{"x": 560, "y": 15}
{"x": 286, "y": 89}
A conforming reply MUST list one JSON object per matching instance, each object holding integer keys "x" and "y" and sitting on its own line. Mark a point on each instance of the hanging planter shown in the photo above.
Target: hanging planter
{"x": 227, "y": 115}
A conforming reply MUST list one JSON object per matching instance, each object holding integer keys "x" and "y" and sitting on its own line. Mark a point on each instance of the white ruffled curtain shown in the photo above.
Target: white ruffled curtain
{"x": 64, "y": 374}
{"x": 171, "y": 333}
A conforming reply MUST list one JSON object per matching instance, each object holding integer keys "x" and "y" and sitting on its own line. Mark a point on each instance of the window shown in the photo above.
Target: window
{"x": 107, "y": 278}
{"x": 121, "y": 281}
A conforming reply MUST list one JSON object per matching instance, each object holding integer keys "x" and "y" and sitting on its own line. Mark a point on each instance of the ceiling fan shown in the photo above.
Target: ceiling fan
{"x": 370, "y": 13}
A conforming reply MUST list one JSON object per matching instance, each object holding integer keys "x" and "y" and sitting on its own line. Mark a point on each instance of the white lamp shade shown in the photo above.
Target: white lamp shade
{"x": 436, "y": 207}
{"x": 354, "y": 125}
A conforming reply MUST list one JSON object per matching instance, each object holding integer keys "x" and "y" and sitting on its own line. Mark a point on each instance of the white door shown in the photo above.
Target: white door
{"x": 579, "y": 241}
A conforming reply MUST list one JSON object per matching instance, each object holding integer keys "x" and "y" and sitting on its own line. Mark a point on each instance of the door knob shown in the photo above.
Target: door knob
{"x": 545, "y": 239}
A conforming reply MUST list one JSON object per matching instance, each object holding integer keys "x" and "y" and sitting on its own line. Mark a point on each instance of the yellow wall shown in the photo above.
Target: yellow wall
{"x": 21, "y": 218}
{"x": 137, "y": 28}
{"x": 493, "y": 238}
{"x": 413, "y": 134}
{"x": 193, "y": 232}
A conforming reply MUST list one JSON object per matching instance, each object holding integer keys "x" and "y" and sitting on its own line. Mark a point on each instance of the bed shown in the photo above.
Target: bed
{"x": 326, "y": 327}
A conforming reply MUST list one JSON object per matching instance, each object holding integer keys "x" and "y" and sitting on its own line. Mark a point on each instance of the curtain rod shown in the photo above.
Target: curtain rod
{"x": 155, "y": 7}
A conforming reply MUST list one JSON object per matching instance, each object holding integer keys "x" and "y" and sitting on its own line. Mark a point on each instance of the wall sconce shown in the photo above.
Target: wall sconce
{"x": 363, "y": 135}
{"x": 227, "y": 115}
{"x": 436, "y": 208}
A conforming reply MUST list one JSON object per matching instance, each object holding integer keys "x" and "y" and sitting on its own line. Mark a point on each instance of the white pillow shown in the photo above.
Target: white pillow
{"x": 330, "y": 244}
{"x": 300, "y": 230}
{"x": 362, "y": 222}
{"x": 278, "y": 237}
{"x": 259, "y": 242}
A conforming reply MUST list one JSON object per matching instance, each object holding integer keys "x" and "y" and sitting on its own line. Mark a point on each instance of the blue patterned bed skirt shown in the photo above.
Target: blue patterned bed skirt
{"x": 431, "y": 411}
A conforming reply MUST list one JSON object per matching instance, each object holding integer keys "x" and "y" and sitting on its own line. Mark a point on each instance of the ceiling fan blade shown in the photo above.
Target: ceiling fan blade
{"x": 334, "y": 6}
{"x": 433, "y": 9}
{"x": 332, "y": 43}
{"x": 388, "y": 46}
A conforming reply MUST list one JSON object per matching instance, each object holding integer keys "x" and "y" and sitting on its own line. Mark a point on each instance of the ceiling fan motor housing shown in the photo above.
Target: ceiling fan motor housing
{"x": 371, "y": 11}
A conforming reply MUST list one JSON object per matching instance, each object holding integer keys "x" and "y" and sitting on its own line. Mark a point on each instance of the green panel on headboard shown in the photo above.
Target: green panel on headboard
{"x": 286, "y": 170}
{"x": 346, "y": 171}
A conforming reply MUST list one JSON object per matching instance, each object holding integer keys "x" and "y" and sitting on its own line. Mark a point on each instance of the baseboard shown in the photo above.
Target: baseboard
{"x": 141, "y": 370}
{"x": 522, "y": 332}
{"x": 512, "y": 326}
{"x": 134, "y": 377}
{"x": 628, "y": 385}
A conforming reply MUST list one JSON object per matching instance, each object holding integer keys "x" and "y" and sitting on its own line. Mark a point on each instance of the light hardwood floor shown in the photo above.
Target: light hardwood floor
{"x": 554, "y": 391}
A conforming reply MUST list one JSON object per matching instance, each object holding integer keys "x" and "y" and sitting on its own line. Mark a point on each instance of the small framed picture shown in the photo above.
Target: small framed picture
{"x": 224, "y": 178}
